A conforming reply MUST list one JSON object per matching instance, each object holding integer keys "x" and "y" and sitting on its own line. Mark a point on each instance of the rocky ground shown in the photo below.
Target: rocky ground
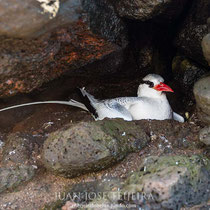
{"x": 118, "y": 148}
{"x": 57, "y": 157}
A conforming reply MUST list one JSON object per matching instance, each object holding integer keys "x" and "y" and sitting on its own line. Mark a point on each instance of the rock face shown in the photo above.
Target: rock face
{"x": 26, "y": 65}
{"x": 145, "y": 10}
{"x": 169, "y": 182}
{"x": 87, "y": 147}
{"x": 192, "y": 31}
{"x": 202, "y": 96}
{"x": 103, "y": 20}
{"x": 42, "y": 40}
{"x": 31, "y": 18}
{"x": 186, "y": 72}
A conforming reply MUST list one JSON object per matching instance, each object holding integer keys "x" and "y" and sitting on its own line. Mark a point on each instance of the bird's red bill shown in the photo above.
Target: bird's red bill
{"x": 163, "y": 87}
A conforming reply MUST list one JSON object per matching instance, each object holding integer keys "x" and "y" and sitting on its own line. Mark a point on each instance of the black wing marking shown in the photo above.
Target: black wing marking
{"x": 86, "y": 101}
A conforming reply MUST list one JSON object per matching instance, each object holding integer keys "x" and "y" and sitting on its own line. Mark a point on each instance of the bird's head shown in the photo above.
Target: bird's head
{"x": 152, "y": 86}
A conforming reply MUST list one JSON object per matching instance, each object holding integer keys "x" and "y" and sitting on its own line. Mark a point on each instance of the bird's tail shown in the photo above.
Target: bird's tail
{"x": 77, "y": 104}
{"x": 89, "y": 102}
{"x": 70, "y": 103}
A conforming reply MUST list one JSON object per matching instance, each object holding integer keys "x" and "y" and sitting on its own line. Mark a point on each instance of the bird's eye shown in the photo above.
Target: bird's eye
{"x": 151, "y": 84}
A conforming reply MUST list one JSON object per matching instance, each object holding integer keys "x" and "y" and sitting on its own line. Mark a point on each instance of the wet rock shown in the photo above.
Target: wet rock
{"x": 202, "y": 95}
{"x": 145, "y": 10}
{"x": 204, "y": 135}
{"x": 91, "y": 146}
{"x": 103, "y": 20}
{"x": 13, "y": 176}
{"x": 186, "y": 72}
{"x": 192, "y": 31}
{"x": 27, "y": 64}
{"x": 26, "y": 19}
{"x": 169, "y": 182}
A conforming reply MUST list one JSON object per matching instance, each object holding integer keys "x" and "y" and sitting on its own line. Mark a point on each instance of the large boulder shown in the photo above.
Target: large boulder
{"x": 168, "y": 182}
{"x": 192, "y": 31}
{"x": 161, "y": 182}
{"x": 42, "y": 40}
{"x": 146, "y": 10}
{"x": 28, "y": 18}
{"x": 91, "y": 146}
{"x": 27, "y": 64}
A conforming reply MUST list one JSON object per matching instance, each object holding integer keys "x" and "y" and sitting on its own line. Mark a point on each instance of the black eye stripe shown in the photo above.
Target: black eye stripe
{"x": 151, "y": 84}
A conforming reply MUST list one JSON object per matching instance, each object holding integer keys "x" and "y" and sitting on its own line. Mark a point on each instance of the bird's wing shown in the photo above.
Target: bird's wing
{"x": 178, "y": 117}
{"x": 125, "y": 101}
{"x": 116, "y": 110}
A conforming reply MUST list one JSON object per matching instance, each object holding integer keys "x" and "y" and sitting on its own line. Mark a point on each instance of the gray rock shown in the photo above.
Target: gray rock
{"x": 145, "y": 10}
{"x": 91, "y": 146}
{"x": 17, "y": 149}
{"x": 104, "y": 20}
{"x": 202, "y": 95}
{"x": 204, "y": 135}
{"x": 186, "y": 72}
{"x": 13, "y": 176}
{"x": 17, "y": 165}
{"x": 169, "y": 182}
{"x": 192, "y": 31}
{"x": 30, "y": 18}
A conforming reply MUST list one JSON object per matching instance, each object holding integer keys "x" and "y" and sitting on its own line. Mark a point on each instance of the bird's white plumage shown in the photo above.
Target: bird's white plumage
{"x": 149, "y": 104}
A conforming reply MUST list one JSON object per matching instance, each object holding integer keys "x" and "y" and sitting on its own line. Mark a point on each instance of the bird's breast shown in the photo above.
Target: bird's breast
{"x": 151, "y": 109}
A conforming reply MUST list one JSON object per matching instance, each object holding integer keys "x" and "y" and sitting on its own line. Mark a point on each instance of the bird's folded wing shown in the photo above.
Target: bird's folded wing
{"x": 125, "y": 100}
{"x": 118, "y": 110}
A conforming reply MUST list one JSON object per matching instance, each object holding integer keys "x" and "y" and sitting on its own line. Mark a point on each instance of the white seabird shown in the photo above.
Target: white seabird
{"x": 151, "y": 103}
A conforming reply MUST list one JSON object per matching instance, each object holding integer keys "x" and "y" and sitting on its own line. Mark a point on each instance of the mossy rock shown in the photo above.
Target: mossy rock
{"x": 91, "y": 146}
{"x": 171, "y": 181}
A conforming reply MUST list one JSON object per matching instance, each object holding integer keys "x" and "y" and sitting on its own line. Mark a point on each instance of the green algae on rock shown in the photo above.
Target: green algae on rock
{"x": 171, "y": 181}
{"x": 91, "y": 146}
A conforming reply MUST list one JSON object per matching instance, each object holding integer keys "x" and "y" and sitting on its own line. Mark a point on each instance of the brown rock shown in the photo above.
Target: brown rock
{"x": 27, "y": 64}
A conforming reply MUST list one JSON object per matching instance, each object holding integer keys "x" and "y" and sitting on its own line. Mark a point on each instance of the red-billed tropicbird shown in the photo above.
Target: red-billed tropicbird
{"x": 151, "y": 103}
